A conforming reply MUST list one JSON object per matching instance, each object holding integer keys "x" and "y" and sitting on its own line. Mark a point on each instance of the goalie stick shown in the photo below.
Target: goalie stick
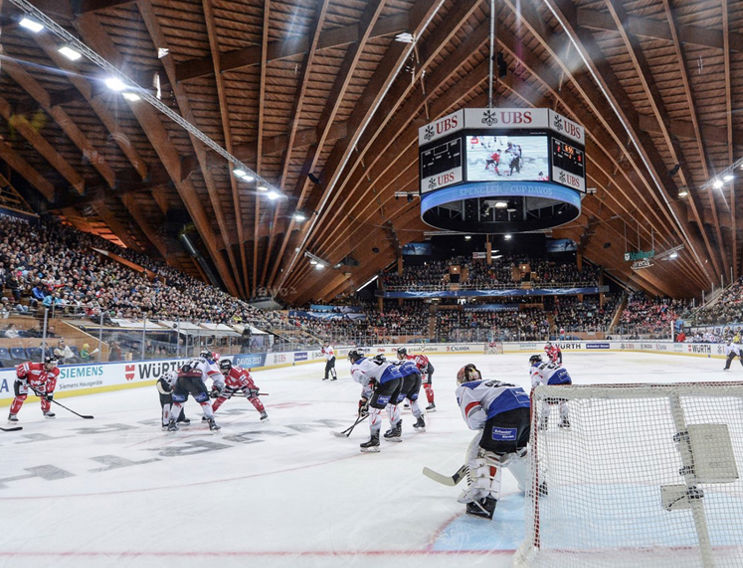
{"x": 450, "y": 480}
{"x": 11, "y": 429}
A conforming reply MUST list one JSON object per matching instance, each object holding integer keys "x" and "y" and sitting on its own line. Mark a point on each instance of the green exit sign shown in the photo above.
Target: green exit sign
{"x": 639, "y": 255}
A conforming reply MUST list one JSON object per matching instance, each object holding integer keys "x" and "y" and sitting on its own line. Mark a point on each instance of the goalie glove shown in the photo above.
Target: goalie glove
{"x": 363, "y": 407}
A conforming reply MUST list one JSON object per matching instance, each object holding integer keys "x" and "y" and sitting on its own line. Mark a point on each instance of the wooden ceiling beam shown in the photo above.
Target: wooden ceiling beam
{"x": 289, "y": 47}
{"x": 96, "y": 36}
{"x": 26, "y": 170}
{"x": 159, "y": 39}
{"x": 96, "y": 5}
{"x": 261, "y": 124}
{"x": 652, "y": 28}
{"x": 318, "y": 21}
{"x": 211, "y": 30}
{"x": 727, "y": 36}
{"x": 559, "y": 46}
{"x": 42, "y": 146}
{"x": 655, "y": 100}
{"x": 327, "y": 117}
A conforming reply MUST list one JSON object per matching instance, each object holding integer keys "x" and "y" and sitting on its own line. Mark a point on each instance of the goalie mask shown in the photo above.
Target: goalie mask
{"x": 468, "y": 373}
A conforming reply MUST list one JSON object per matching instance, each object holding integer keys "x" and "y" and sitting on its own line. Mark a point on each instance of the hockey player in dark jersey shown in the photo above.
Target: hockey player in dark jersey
{"x": 165, "y": 385}
{"x": 411, "y": 386}
{"x": 500, "y": 411}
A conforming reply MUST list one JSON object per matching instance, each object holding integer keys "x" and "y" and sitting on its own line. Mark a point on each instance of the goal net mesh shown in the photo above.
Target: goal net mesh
{"x": 643, "y": 475}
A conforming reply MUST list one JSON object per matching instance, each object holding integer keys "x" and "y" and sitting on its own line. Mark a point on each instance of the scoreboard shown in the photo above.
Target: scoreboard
{"x": 503, "y": 146}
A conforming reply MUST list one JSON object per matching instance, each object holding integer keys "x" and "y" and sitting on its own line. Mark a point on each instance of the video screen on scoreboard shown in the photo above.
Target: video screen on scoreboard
{"x": 507, "y": 158}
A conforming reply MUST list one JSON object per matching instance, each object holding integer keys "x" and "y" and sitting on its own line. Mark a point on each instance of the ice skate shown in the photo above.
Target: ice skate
{"x": 372, "y": 445}
{"x": 394, "y": 434}
{"x": 482, "y": 508}
{"x": 264, "y": 415}
{"x": 172, "y": 426}
{"x": 420, "y": 424}
{"x": 49, "y": 414}
{"x": 12, "y": 418}
{"x": 431, "y": 407}
{"x": 213, "y": 425}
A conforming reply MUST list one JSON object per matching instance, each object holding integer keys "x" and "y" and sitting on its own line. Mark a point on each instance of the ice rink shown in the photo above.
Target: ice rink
{"x": 118, "y": 491}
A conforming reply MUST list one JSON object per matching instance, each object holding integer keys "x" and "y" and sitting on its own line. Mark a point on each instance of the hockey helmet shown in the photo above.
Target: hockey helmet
{"x": 468, "y": 373}
{"x": 535, "y": 360}
{"x": 402, "y": 353}
{"x": 50, "y": 361}
{"x": 225, "y": 365}
{"x": 354, "y": 355}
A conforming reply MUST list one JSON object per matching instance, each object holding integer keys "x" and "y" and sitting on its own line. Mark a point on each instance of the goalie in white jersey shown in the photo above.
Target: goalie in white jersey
{"x": 382, "y": 383}
{"x": 550, "y": 374}
{"x": 501, "y": 411}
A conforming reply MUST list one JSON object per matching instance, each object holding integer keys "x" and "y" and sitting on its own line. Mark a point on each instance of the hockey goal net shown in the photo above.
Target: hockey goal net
{"x": 642, "y": 475}
{"x": 493, "y": 347}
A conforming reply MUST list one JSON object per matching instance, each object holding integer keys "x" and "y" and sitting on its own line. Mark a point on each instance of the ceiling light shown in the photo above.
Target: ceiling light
{"x": 262, "y": 187}
{"x": 115, "y": 84}
{"x": 405, "y": 37}
{"x": 130, "y": 96}
{"x": 273, "y": 195}
{"x": 507, "y": 237}
{"x": 319, "y": 266}
{"x": 162, "y": 52}
{"x": 674, "y": 255}
{"x": 717, "y": 183}
{"x": 501, "y": 204}
{"x": 31, "y": 25}
{"x": 496, "y": 256}
{"x": 313, "y": 262}
{"x": 69, "y": 53}
{"x": 728, "y": 177}
{"x": 683, "y": 193}
{"x": 299, "y": 217}
{"x": 467, "y": 237}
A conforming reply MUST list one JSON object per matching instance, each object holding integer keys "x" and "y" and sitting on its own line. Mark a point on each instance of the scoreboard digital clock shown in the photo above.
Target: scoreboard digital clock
{"x": 441, "y": 164}
{"x": 568, "y": 164}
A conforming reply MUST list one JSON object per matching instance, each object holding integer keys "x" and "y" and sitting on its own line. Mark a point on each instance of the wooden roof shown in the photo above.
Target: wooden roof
{"x": 320, "y": 99}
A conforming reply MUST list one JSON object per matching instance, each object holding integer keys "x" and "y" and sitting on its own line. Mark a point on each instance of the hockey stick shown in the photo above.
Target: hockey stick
{"x": 86, "y": 416}
{"x": 12, "y": 429}
{"x": 450, "y": 480}
{"x": 347, "y": 432}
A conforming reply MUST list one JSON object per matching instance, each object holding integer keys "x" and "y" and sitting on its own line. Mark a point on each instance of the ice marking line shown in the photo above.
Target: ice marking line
{"x": 437, "y": 533}
{"x": 249, "y": 553}
{"x": 169, "y": 487}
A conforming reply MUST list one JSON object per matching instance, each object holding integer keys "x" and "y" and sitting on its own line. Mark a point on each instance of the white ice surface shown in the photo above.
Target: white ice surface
{"x": 117, "y": 491}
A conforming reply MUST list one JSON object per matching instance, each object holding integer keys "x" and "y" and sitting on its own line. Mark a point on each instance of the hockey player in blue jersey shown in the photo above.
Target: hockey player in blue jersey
{"x": 411, "y": 386}
{"x": 501, "y": 411}
{"x": 550, "y": 374}
{"x": 381, "y": 383}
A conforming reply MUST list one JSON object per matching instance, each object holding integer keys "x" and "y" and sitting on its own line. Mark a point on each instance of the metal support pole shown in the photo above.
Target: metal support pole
{"x": 492, "y": 53}
{"x": 178, "y": 338}
{"x": 43, "y": 334}
{"x": 100, "y": 339}
{"x": 144, "y": 331}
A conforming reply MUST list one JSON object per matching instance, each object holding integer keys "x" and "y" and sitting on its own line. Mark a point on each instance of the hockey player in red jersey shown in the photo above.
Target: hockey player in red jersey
{"x": 426, "y": 369}
{"x": 554, "y": 353}
{"x": 40, "y": 378}
{"x": 236, "y": 378}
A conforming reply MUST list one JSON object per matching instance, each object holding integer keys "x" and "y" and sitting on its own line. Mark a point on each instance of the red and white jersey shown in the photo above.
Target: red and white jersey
{"x": 421, "y": 361}
{"x": 239, "y": 378}
{"x": 327, "y": 350}
{"x": 37, "y": 376}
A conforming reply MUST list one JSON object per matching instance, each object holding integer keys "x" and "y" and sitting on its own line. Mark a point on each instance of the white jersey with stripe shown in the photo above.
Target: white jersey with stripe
{"x": 549, "y": 374}
{"x": 480, "y": 400}
{"x": 365, "y": 371}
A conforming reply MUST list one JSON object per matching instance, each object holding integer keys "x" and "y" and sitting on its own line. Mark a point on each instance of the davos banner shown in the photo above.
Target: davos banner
{"x": 493, "y": 293}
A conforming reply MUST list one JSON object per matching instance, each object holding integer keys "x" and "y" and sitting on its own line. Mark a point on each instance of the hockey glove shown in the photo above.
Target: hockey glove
{"x": 49, "y": 396}
{"x": 251, "y": 393}
{"x": 214, "y": 393}
{"x": 363, "y": 407}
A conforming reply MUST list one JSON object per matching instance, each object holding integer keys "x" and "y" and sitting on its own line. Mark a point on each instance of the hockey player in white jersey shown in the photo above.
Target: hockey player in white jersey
{"x": 192, "y": 380}
{"x": 733, "y": 350}
{"x": 165, "y": 385}
{"x": 381, "y": 383}
{"x": 501, "y": 412}
{"x": 550, "y": 374}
